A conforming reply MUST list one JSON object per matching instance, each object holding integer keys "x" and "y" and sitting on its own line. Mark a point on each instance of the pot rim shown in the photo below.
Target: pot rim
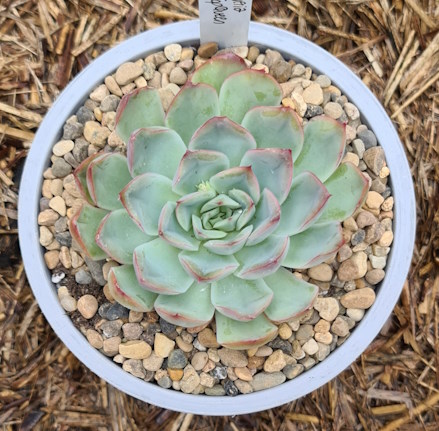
{"x": 291, "y": 46}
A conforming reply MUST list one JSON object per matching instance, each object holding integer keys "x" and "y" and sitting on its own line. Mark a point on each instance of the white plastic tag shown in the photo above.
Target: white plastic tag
{"x": 225, "y": 22}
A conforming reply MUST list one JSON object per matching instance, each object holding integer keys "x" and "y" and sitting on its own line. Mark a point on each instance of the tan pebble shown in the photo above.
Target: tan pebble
{"x": 56, "y": 187}
{"x": 95, "y": 133}
{"x": 153, "y": 362}
{"x": 359, "y": 298}
{"x": 173, "y": 88}
{"x": 365, "y": 218}
{"x": 187, "y": 54}
{"x": 207, "y": 380}
{"x": 299, "y": 104}
{"x": 108, "y": 294}
{"x": 243, "y": 373}
{"x": 322, "y": 272}
{"x": 190, "y": 380}
{"x": 207, "y": 338}
{"x": 340, "y": 327}
{"x": 108, "y": 120}
{"x": 178, "y": 76}
{"x": 135, "y": 316}
{"x": 119, "y": 359}
{"x": 94, "y": 338}
{"x": 262, "y": 67}
{"x": 207, "y": 50}
{"x": 264, "y": 351}
{"x": 64, "y": 257}
{"x": 134, "y": 367}
{"x": 353, "y": 268}
{"x": 351, "y": 134}
{"x": 232, "y": 358}
{"x": 128, "y": 72}
{"x": 355, "y": 314}
{"x": 63, "y": 147}
{"x": 63, "y": 291}
{"x": 51, "y": 258}
{"x": 54, "y": 245}
{"x": 135, "y": 349}
{"x": 351, "y": 158}
{"x": 175, "y": 374}
{"x": 173, "y": 52}
{"x": 310, "y": 347}
{"x": 209, "y": 366}
{"x": 386, "y": 239}
{"x": 240, "y": 51}
{"x": 47, "y": 217}
{"x": 328, "y": 308}
{"x": 140, "y": 82}
{"x": 322, "y": 326}
{"x": 100, "y": 93}
{"x": 186, "y": 65}
{"x": 374, "y": 276}
{"x": 114, "y": 140}
{"x": 374, "y": 159}
{"x": 199, "y": 360}
{"x": 163, "y": 345}
{"x": 106, "y": 268}
{"x": 384, "y": 172}
{"x": 87, "y": 306}
{"x": 48, "y": 174}
{"x": 46, "y": 236}
{"x": 275, "y": 362}
{"x": 333, "y": 110}
{"x": 285, "y": 331}
{"x": 57, "y": 204}
{"x": 252, "y": 352}
{"x": 111, "y": 84}
{"x": 186, "y": 347}
{"x": 68, "y": 303}
{"x": 323, "y": 337}
{"x": 313, "y": 94}
{"x": 77, "y": 260}
{"x": 45, "y": 190}
{"x": 374, "y": 200}
{"x": 344, "y": 253}
{"x": 255, "y": 362}
{"x": 387, "y": 205}
{"x": 350, "y": 224}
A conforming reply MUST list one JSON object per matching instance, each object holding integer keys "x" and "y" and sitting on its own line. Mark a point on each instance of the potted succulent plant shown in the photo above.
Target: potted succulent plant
{"x": 204, "y": 212}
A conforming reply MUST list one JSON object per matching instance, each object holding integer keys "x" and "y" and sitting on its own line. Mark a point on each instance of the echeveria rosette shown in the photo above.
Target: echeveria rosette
{"x": 206, "y": 211}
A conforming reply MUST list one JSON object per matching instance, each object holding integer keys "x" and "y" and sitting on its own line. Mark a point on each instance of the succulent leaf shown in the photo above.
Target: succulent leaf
{"x": 204, "y": 266}
{"x": 171, "y": 231}
{"x": 127, "y": 291}
{"x": 118, "y": 236}
{"x": 240, "y": 178}
{"x": 304, "y": 204}
{"x": 217, "y": 69}
{"x": 222, "y": 134}
{"x": 314, "y": 245}
{"x": 107, "y": 175}
{"x": 273, "y": 168}
{"x": 158, "y": 269}
{"x": 323, "y": 147}
{"x": 292, "y": 296}
{"x": 192, "y": 107}
{"x": 231, "y": 243}
{"x": 244, "y": 335}
{"x": 205, "y": 234}
{"x": 247, "y": 205}
{"x": 240, "y": 299}
{"x": 262, "y": 259}
{"x": 344, "y": 201}
{"x": 190, "y": 205}
{"x": 140, "y": 108}
{"x": 144, "y": 198}
{"x": 266, "y": 219}
{"x": 83, "y": 227}
{"x": 197, "y": 167}
{"x": 190, "y": 309}
{"x": 155, "y": 149}
{"x": 246, "y": 89}
{"x": 275, "y": 127}
{"x": 80, "y": 175}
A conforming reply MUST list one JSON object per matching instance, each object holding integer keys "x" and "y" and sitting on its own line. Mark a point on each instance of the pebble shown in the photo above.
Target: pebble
{"x": 323, "y": 351}
{"x": 199, "y": 360}
{"x": 360, "y": 298}
{"x": 110, "y": 103}
{"x": 305, "y": 332}
{"x": 263, "y": 380}
{"x": 132, "y": 331}
{"x": 99, "y": 93}
{"x": 164, "y": 382}
{"x": 293, "y": 370}
{"x": 283, "y": 345}
{"x": 135, "y": 349}
{"x": 173, "y": 52}
{"x": 285, "y": 331}
{"x": 272, "y": 57}
{"x": 328, "y": 308}
{"x": 365, "y": 218}
{"x": 46, "y": 236}
{"x": 113, "y": 311}
{"x": 313, "y": 94}
{"x": 308, "y": 362}
{"x": 87, "y": 306}
{"x": 57, "y": 277}
{"x": 219, "y": 373}
{"x": 230, "y": 388}
{"x": 386, "y": 239}
{"x": 355, "y": 314}
{"x": 351, "y": 111}
{"x": 313, "y": 111}
{"x": 68, "y": 303}
{"x": 333, "y": 110}
{"x": 207, "y": 50}
{"x": 207, "y": 380}
{"x": 72, "y": 130}
{"x": 111, "y": 328}
{"x": 60, "y": 168}
{"x": 96, "y": 134}
{"x": 232, "y": 358}
{"x": 374, "y": 159}
{"x": 374, "y": 276}
{"x": 134, "y": 367}
{"x": 310, "y": 347}
{"x": 215, "y": 391}
{"x": 353, "y": 268}
{"x": 243, "y": 373}
{"x": 340, "y": 327}
{"x": 275, "y": 362}
{"x": 94, "y": 338}
{"x": 83, "y": 277}
{"x": 358, "y": 147}
{"x": 281, "y": 71}
{"x": 128, "y": 72}
{"x": 322, "y": 272}
{"x": 112, "y": 85}
{"x": 358, "y": 237}
{"x": 177, "y": 359}
{"x": 163, "y": 346}
{"x": 264, "y": 351}
{"x": 207, "y": 338}
{"x": 190, "y": 380}
{"x": 298, "y": 70}
{"x": 186, "y": 347}
{"x": 323, "y": 337}
{"x": 369, "y": 139}
{"x": 153, "y": 362}
{"x": 111, "y": 346}
{"x": 374, "y": 200}
{"x": 63, "y": 147}
{"x": 323, "y": 81}
{"x": 58, "y": 204}
{"x": 178, "y": 76}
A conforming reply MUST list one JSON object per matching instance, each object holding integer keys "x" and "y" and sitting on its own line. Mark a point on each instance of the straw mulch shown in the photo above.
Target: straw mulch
{"x": 392, "y": 46}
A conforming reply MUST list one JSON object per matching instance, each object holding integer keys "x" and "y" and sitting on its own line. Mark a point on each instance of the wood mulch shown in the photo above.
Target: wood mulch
{"x": 392, "y": 46}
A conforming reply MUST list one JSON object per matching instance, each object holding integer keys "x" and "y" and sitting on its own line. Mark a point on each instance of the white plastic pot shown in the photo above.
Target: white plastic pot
{"x": 291, "y": 46}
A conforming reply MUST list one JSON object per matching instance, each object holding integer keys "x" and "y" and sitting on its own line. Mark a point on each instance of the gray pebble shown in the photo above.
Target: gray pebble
{"x": 64, "y": 238}
{"x": 91, "y": 104}
{"x": 283, "y": 345}
{"x": 113, "y": 311}
{"x": 230, "y": 388}
{"x": 168, "y": 329}
{"x": 281, "y": 71}
{"x": 72, "y": 130}
{"x": 44, "y": 204}
{"x": 132, "y": 331}
{"x": 95, "y": 268}
{"x": 70, "y": 159}
{"x": 80, "y": 150}
{"x": 148, "y": 70}
{"x": 378, "y": 186}
{"x": 61, "y": 225}
{"x": 149, "y": 376}
{"x": 109, "y": 103}
{"x": 149, "y": 333}
{"x": 177, "y": 359}
{"x": 83, "y": 277}
{"x": 84, "y": 115}
{"x": 267, "y": 380}
{"x": 219, "y": 373}
{"x": 61, "y": 168}
{"x": 323, "y": 81}
{"x": 293, "y": 370}
{"x": 164, "y": 382}
{"x": 358, "y": 237}
{"x": 112, "y": 328}
{"x": 215, "y": 391}
{"x": 313, "y": 111}
{"x": 358, "y": 147}
{"x": 387, "y": 192}
{"x": 369, "y": 139}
